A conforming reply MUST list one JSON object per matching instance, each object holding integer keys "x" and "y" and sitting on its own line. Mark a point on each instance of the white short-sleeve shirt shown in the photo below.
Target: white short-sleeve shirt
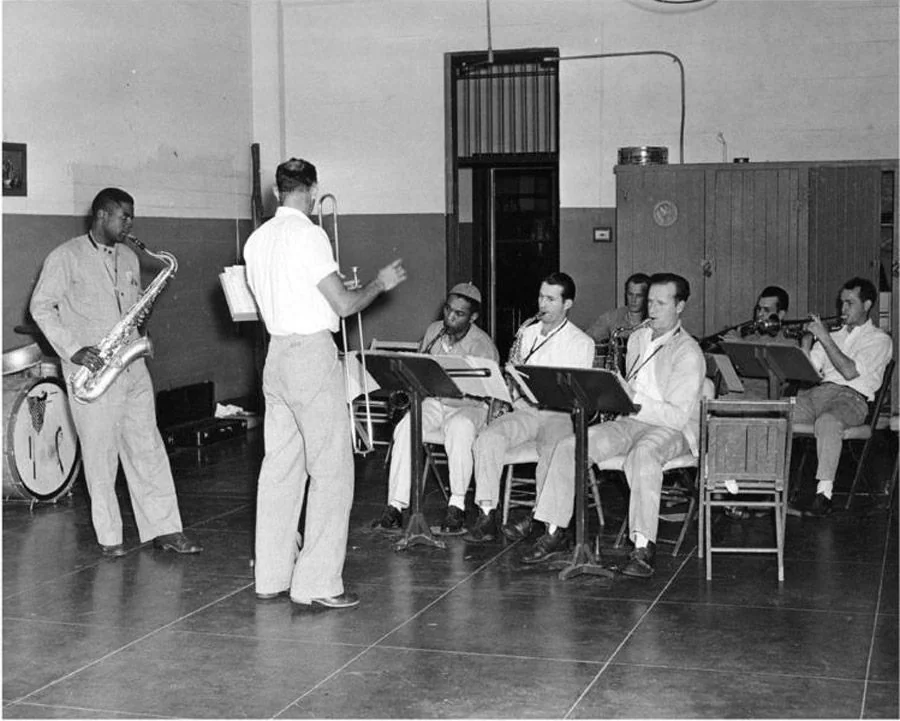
{"x": 286, "y": 259}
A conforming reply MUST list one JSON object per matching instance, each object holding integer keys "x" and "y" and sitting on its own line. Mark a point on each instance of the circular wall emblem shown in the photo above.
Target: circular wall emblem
{"x": 665, "y": 213}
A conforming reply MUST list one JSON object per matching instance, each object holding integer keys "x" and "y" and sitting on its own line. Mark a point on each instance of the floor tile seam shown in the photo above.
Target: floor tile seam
{"x": 627, "y": 637}
{"x": 131, "y": 643}
{"x": 81, "y": 569}
{"x": 483, "y": 654}
{"x": 115, "y": 713}
{"x": 224, "y": 514}
{"x": 873, "y": 638}
{"x": 739, "y": 671}
{"x": 74, "y": 571}
{"x": 279, "y": 639}
{"x": 418, "y": 613}
{"x": 762, "y": 607}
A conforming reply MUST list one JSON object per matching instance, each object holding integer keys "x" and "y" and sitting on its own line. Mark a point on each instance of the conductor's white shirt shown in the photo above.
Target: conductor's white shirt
{"x": 286, "y": 259}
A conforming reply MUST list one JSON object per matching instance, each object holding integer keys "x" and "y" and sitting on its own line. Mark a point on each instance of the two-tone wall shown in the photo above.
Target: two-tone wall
{"x": 164, "y": 98}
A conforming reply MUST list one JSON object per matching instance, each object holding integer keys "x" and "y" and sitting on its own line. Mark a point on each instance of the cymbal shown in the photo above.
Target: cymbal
{"x": 28, "y": 329}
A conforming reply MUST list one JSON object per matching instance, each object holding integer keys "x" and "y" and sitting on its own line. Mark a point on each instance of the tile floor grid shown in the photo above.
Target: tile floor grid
{"x": 418, "y": 613}
{"x": 109, "y": 654}
{"x": 630, "y": 633}
{"x": 673, "y": 646}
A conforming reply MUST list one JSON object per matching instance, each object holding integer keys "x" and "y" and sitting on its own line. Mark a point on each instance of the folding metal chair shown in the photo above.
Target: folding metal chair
{"x": 875, "y": 420}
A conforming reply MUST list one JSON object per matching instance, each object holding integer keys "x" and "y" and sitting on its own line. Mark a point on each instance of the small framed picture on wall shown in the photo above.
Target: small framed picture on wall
{"x": 15, "y": 179}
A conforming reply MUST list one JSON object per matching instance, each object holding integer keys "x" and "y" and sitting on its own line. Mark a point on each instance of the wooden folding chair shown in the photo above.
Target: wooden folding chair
{"x": 745, "y": 447}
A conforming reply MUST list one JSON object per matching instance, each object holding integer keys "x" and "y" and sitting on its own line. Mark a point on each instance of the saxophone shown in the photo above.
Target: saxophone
{"x": 115, "y": 349}
{"x": 515, "y": 352}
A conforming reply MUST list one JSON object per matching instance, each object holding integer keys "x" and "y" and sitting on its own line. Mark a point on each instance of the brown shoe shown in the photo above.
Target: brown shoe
{"x": 178, "y": 542}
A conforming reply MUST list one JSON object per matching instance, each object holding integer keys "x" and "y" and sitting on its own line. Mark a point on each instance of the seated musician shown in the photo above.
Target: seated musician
{"x": 665, "y": 373}
{"x": 851, "y": 361}
{"x": 458, "y": 420}
{"x": 771, "y": 308}
{"x": 548, "y": 339}
{"x": 626, "y": 316}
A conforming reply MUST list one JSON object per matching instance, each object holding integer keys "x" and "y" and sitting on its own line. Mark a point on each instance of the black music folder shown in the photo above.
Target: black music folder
{"x": 758, "y": 360}
{"x": 557, "y": 388}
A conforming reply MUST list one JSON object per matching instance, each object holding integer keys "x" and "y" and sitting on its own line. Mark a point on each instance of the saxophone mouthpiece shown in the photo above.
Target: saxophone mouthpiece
{"x": 134, "y": 239}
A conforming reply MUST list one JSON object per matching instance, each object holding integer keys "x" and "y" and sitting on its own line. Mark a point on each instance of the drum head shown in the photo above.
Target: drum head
{"x": 17, "y": 360}
{"x": 41, "y": 454}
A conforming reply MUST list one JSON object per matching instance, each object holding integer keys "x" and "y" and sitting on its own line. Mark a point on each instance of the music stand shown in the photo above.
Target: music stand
{"x": 776, "y": 361}
{"x": 582, "y": 392}
{"x": 421, "y": 377}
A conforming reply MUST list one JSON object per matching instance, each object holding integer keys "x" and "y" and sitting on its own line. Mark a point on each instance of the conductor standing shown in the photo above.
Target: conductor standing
{"x": 293, "y": 275}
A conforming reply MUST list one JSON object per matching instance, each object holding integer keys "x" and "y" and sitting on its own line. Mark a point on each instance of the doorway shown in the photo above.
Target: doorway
{"x": 503, "y": 181}
{"x": 516, "y": 242}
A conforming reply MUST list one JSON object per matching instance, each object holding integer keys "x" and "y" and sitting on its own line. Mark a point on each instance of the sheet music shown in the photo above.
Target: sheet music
{"x": 521, "y": 382}
{"x": 489, "y": 385}
{"x": 725, "y": 368}
{"x": 241, "y": 303}
{"x": 358, "y": 381}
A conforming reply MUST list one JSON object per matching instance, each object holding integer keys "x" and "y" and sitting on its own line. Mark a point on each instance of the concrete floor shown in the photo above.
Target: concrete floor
{"x": 463, "y": 632}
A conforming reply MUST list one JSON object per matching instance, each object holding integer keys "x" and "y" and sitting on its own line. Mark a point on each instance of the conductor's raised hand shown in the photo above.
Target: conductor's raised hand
{"x": 392, "y": 275}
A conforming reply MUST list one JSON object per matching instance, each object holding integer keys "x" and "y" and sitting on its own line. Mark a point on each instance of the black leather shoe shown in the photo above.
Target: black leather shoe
{"x": 114, "y": 551}
{"x": 177, "y": 542}
{"x": 548, "y": 547}
{"x": 454, "y": 522}
{"x": 391, "y": 519}
{"x": 517, "y": 530}
{"x": 821, "y": 507}
{"x": 484, "y": 528}
{"x": 640, "y": 562}
{"x": 347, "y": 599}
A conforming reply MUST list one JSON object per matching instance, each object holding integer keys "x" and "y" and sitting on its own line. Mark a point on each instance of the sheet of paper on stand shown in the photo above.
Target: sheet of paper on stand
{"x": 241, "y": 303}
{"x": 476, "y": 377}
{"x": 359, "y": 381}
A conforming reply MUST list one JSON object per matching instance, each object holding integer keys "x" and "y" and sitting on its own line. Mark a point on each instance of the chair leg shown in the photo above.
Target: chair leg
{"x": 779, "y": 533}
{"x": 623, "y": 529}
{"x": 707, "y": 541}
{"x": 507, "y": 492}
{"x": 860, "y": 467}
{"x": 688, "y": 519}
{"x": 701, "y": 515}
{"x": 595, "y": 491}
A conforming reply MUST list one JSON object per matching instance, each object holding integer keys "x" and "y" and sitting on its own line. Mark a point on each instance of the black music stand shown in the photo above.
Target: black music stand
{"x": 583, "y": 392}
{"x": 420, "y": 377}
{"x": 776, "y": 361}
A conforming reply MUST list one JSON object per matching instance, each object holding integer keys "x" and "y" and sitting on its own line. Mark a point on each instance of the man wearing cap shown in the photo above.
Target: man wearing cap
{"x": 457, "y": 420}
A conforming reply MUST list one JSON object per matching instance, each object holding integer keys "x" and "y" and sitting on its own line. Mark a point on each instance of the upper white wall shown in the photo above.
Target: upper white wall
{"x": 150, "y": 96}
{"x": 164, "y": 97}
{"x": 781, "y": 79}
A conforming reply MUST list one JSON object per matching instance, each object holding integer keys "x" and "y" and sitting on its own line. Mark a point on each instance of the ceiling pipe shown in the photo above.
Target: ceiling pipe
{"x": 637, "y": 53}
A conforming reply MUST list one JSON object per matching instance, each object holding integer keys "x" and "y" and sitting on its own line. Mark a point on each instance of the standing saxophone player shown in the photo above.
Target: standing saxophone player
{"x": 86, "y": 286}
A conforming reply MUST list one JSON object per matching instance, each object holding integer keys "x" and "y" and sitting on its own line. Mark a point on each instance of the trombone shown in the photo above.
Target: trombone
{"x": 353, "y": 283}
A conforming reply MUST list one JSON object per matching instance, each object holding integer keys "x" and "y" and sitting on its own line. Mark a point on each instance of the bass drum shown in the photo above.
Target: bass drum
{"x": 41, "y": 456}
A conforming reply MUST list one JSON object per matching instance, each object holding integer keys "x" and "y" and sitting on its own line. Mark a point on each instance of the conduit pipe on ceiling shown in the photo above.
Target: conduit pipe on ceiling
{"x": 637, "y": 53}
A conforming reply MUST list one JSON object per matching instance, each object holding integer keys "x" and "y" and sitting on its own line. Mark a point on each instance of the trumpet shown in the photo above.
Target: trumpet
{"x": 353, "y": 283}
{"x": 793, "y": 328}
